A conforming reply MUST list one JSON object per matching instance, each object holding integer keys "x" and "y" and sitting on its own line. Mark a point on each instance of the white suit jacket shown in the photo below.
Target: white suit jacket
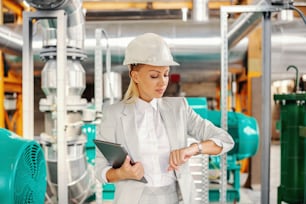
{"x": 118, "y": 125}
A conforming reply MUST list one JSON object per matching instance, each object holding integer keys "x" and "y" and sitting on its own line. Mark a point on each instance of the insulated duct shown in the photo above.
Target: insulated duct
{"x": 75, "y": 24}
{"x": 195, "y": 45}
{"x": 11, "y": 40}
{"x": 200, "y": 10}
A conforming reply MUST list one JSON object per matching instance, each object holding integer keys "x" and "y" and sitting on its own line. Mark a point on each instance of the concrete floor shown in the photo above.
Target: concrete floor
{"x": 253, "y": 196}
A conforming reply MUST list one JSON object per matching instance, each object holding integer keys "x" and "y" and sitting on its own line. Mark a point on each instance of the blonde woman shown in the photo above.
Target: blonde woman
{"x": 154, "y": 130}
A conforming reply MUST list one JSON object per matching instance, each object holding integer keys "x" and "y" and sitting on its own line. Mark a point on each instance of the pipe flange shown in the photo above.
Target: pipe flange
{"x": 72, "y": 53}
{"x": 46, "y": 5}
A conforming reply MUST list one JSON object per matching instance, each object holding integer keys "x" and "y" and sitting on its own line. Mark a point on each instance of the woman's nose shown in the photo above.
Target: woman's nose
{"x": 163, "y": 80}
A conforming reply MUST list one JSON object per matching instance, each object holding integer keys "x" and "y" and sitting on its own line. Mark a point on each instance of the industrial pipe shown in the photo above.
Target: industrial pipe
{"x": 75, "y": 24}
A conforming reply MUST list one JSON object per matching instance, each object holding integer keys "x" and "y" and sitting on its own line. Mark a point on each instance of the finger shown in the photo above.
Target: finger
{"x": 176, "y": 157}
{"x": 127, "y": 161}
{"x": 172, "y": 161}
{"x": 138, "y": 170}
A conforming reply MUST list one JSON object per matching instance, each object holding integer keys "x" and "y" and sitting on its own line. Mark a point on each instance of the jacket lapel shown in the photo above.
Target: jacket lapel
{"x": 129, "y": 131}
{"x": 169, "y": 121}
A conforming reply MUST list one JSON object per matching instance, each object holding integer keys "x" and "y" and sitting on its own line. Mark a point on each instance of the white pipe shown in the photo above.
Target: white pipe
{"x": 27, "y": 79}
{"x": 98, "y": 72}
{"x": 62, "y": 168}
{"x": 108, "y": 68}
{"x": 200, "y": 11}
{"x": 75, "y": 21}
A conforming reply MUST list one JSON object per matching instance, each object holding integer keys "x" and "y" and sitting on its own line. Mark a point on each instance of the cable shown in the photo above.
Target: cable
{"x": 299, "y": 12}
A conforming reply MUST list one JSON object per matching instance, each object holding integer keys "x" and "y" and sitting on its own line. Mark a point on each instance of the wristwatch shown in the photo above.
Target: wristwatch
{"x": 200, "y": 147}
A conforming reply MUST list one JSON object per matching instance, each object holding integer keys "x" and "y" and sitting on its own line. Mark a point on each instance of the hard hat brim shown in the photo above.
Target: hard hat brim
{"x": 169, "y": 63}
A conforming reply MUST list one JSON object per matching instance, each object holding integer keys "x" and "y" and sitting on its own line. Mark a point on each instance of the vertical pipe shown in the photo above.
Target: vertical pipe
{"x": 27, "y": 78}
{"x": 266, "y": 109}
{"x": 62, "y": 173}
{"x": 108, "y": 70}
{"x": 98, "y": 72}
{"x": 200, "y": 10}
{"x": 224, "y": 80}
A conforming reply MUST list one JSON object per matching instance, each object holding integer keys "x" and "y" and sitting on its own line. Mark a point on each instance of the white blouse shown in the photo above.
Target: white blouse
{"x": 153, "y": 143}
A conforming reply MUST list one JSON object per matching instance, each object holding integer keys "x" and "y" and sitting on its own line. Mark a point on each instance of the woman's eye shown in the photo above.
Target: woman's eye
{"x": 166, "y": 75}
{"x": 154, "y": 76}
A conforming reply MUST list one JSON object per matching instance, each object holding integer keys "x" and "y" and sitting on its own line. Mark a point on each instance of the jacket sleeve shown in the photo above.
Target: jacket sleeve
{"x": 202, "y": 129}
{"x": 106, "y": 131}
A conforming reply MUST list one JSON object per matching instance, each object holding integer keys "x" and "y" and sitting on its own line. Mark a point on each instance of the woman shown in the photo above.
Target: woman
{"x": 154, "y": 130}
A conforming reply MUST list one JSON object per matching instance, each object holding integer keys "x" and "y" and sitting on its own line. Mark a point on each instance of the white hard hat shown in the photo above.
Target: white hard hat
{"x": 150, "y": 49}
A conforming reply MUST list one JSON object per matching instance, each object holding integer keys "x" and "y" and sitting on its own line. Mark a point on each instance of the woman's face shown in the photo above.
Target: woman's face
{"x": 151, "y": 81}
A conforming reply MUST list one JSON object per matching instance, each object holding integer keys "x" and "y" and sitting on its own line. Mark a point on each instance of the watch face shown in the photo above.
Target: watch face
{"x": 200, "y": 148}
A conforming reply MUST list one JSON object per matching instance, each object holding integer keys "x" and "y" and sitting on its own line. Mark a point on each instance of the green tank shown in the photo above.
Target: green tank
{"x": 292, "y": 141}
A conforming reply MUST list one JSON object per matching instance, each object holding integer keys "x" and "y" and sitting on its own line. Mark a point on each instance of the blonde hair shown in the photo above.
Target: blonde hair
{"x": 132, "y": 92}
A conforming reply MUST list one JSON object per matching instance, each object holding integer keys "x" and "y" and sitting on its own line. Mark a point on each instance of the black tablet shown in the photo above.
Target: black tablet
{"x": 114, "y": 153}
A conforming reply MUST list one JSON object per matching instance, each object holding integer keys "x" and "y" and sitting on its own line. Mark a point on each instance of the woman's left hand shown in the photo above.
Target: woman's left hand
{"x": 180, "y": 156}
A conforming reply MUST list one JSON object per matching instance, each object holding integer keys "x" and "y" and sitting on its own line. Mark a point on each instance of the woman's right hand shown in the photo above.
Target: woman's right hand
{"x": 130, "y": 171}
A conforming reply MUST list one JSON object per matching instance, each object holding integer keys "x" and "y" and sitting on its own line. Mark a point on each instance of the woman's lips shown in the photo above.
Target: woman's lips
{"x": 160, "y": 91}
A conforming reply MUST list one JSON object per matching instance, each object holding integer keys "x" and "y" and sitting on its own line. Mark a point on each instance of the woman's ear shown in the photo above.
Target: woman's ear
{"x": 135, "y": 76}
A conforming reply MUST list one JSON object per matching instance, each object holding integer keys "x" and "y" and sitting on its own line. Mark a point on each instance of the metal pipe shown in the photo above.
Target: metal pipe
{"x": 189, "y": 42}
{"x": 75, "y": 24}
{"x": 200, "y": 11}
{"x": 196, "y": 45}
{"x": 27, "y": 79}
{"x": 245, "y": 23}
{"x": 11, "y": 40}
{"x": 266, "y": 108}
{"x": 98, "y": 72}
{"x": 62, "y": 172}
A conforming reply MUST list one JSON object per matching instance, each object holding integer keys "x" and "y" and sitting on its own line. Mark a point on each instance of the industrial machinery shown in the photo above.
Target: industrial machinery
{"x": 22, "y": 170}
{"x": 245, "y": 132}
{"x": 292, "y": 126}
{"x": 79, "y": 174}
{"x": 79, "y": 184}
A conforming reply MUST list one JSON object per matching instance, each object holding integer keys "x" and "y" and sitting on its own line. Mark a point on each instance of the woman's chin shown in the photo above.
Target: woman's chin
{"x": 159, "y": 95}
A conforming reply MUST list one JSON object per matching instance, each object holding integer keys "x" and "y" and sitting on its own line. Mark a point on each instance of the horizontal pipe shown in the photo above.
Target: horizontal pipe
{"x": 194, "y": 44}
{"x": 189, "y": 41}
{"x": 11, "y": 39}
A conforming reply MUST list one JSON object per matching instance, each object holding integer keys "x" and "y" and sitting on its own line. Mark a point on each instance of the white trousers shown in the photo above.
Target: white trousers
{"x": 160, "y": 195}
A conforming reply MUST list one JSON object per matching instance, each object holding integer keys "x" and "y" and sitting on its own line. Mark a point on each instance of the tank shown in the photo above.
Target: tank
{"x": 292, "y": 140}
